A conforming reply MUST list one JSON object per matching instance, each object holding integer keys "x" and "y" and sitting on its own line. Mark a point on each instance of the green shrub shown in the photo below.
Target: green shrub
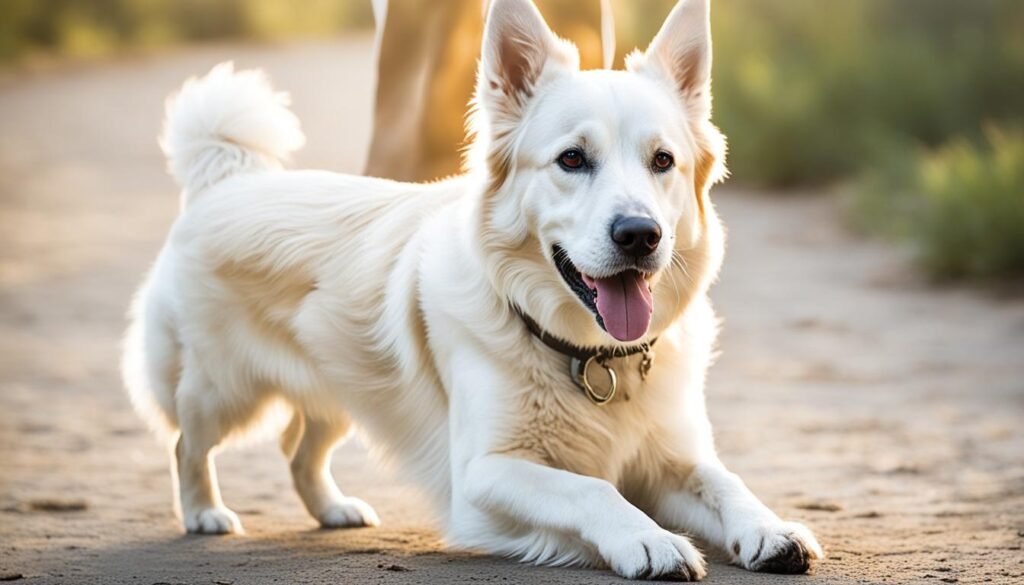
{"x": 77, "y": 28}
{"x": 961, "y": 206}
{"x": 809, "y": 91}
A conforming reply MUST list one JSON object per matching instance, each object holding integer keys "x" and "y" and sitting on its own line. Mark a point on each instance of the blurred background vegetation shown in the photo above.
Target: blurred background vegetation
{"x": 97, "y": 28}
{"x": 915, "y": 108}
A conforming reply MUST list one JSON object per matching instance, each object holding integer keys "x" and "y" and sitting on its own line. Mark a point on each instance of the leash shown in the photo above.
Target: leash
{"x": 581, "y": 358}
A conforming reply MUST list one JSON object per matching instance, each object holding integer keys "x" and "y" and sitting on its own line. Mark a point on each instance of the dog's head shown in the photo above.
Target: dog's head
{"x": 596, "y": 216}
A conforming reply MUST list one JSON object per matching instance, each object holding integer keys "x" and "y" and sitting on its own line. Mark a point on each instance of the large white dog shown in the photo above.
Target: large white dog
{"x": 528, "y": 341}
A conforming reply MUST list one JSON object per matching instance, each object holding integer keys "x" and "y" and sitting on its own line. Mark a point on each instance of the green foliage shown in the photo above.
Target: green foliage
{"x": 893, "y": 93}
{"x": 809, "y": 90}
{"x": 962, "y": 206}
{"x": 89, "y": 28}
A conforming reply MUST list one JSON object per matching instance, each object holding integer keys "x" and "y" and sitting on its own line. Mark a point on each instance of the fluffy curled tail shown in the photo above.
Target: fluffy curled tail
{"x": 226, "y": 123}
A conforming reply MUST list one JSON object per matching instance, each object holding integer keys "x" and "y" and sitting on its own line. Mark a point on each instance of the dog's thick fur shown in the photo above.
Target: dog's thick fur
{"x": 362, "y": 301}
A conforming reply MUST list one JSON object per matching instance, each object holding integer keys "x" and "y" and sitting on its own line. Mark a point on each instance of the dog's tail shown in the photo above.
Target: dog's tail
{"x": 226, "y": 123}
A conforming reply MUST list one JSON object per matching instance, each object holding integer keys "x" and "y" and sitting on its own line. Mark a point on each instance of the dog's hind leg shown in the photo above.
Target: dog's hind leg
{"x": 293, "y": 434}
{"x": 204, "y": 422}
{"x": 309, "y": 442}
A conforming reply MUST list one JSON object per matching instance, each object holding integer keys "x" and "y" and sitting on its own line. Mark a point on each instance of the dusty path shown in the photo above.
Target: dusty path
{"x": 887, "y": 415}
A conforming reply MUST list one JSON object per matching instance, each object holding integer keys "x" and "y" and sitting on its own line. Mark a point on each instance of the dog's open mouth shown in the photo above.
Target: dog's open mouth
{"x": 622, "y": 303}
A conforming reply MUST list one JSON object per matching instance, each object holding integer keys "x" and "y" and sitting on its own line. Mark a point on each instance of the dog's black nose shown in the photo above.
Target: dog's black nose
{"x": 636, "y": 236}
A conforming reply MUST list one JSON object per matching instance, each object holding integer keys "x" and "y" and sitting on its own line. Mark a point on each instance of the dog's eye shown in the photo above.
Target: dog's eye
{"x": 572, "y": 160}
{"x": 662, "y": 162}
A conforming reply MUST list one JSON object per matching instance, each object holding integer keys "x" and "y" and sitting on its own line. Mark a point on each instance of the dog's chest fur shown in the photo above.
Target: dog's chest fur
{"x": 550, "y": 420}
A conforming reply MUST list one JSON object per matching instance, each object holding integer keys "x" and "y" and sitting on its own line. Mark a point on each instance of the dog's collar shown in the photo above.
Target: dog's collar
{"x": 581, "y": 358}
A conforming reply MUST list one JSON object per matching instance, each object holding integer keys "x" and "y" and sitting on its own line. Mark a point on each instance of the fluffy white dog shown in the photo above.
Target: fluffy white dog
{"x": 528, "y": 341}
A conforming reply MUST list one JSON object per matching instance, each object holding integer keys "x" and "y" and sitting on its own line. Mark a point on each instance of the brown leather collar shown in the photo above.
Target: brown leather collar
{"x": 581, "y": 359}
{"x": 581, "y": 353}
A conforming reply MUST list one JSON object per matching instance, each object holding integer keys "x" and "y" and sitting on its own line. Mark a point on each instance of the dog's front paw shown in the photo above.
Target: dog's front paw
{"x": 216, "y": 520}
{"x": 348, "y": 513}
{"x": 785, "y": 547}
{"x": 656, "y": 554}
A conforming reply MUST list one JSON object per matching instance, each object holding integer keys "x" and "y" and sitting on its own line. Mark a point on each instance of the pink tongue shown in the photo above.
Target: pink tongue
{"x": 625, "y": 304}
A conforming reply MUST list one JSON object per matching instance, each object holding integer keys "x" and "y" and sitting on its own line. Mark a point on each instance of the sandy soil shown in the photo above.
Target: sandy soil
{"x": 882, "y": 412}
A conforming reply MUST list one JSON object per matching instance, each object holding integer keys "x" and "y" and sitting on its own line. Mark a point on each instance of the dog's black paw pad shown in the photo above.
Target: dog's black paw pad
{"x": 792, "y": 559}
{"x": 683, "y": 573}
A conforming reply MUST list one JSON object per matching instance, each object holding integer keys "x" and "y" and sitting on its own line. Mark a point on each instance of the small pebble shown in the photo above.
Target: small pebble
{"x": 871, "y": 514}
{"x": 55, "y": 505}
{"x": 820, "y": 506}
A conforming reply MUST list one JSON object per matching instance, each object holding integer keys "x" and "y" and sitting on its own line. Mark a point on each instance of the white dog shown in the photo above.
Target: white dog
{"x": 528, "y": 341}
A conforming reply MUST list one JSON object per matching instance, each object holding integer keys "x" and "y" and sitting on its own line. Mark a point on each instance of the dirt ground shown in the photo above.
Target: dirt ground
{"x": 885, "y": 413}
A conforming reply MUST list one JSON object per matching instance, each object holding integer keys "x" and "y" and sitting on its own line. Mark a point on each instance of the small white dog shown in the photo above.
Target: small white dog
{"x": 528, "y": 341}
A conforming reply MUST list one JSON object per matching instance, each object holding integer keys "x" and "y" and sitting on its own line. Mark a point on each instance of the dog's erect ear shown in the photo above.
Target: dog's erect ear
{"x": 518, "y": 51}
{"x": 682, "y": 51}
{"x": 681, "y": 54}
